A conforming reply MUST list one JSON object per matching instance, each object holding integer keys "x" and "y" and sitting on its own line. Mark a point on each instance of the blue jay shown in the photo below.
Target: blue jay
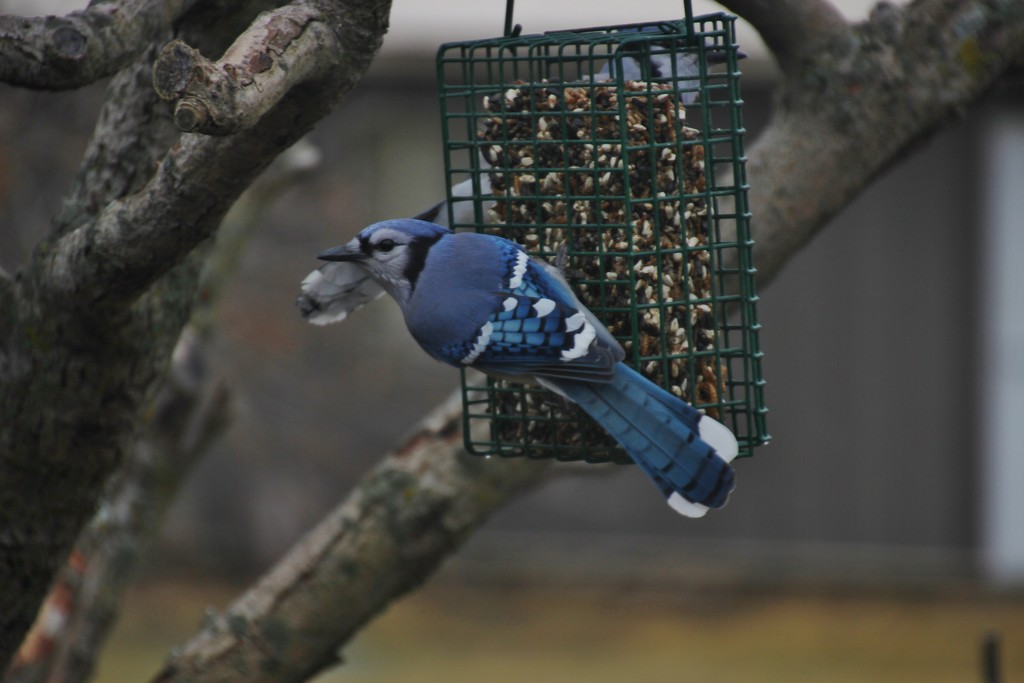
{"x": 476, "y": 300}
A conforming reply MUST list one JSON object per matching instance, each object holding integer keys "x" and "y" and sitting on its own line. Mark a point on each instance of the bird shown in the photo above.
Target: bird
{"x": 480, "y": 301}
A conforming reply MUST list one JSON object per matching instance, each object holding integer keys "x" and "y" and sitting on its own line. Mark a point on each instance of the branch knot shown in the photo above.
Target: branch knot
{"x": 279, "y": 51}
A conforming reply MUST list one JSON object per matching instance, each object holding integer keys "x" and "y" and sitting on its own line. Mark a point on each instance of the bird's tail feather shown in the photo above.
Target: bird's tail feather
{"x": 685, "y": 452}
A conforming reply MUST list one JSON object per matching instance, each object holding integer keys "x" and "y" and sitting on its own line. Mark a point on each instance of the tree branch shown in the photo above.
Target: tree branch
{"x": 791, "y": 27}
{"x": 281, "y": 50}
{"x": 61, "y": 53}
{"x": 403, "y": 519}
{"x": 105, "y": 265}
{"x": 848, "y": 109}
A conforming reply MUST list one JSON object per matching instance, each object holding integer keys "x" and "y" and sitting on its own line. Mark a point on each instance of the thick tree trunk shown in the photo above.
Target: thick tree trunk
{"x": 87, "y": 329}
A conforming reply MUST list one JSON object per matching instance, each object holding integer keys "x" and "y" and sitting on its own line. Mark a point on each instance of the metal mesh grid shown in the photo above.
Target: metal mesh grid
{"x": 629, "y": 177}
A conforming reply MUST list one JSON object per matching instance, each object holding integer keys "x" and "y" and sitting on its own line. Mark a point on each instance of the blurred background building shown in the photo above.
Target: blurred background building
{"x": 893, "y": 349}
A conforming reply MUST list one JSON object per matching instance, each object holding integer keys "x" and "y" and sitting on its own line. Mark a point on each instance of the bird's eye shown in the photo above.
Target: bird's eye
{"x": 386, "y": 245}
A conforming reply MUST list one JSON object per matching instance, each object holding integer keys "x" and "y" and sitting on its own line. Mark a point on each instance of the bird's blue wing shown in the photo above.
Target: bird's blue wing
{"x": 537, "y": 328}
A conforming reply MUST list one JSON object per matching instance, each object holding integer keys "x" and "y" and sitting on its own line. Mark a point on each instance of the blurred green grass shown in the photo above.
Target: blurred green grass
{"x": 504, "y": 632}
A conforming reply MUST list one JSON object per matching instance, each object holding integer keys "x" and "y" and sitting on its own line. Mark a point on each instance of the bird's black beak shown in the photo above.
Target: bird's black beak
{"x": 351, "y": 251}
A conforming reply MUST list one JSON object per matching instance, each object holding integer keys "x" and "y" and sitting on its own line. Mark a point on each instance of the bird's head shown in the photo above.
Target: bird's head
{"x": 393, "y": 252}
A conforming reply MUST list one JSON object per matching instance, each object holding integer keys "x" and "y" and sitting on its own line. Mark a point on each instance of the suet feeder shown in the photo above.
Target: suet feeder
{"x": 617, "y": 153}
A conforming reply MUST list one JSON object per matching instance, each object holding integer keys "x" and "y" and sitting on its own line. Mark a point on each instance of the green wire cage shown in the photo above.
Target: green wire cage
{"x": 616, "y": 153}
